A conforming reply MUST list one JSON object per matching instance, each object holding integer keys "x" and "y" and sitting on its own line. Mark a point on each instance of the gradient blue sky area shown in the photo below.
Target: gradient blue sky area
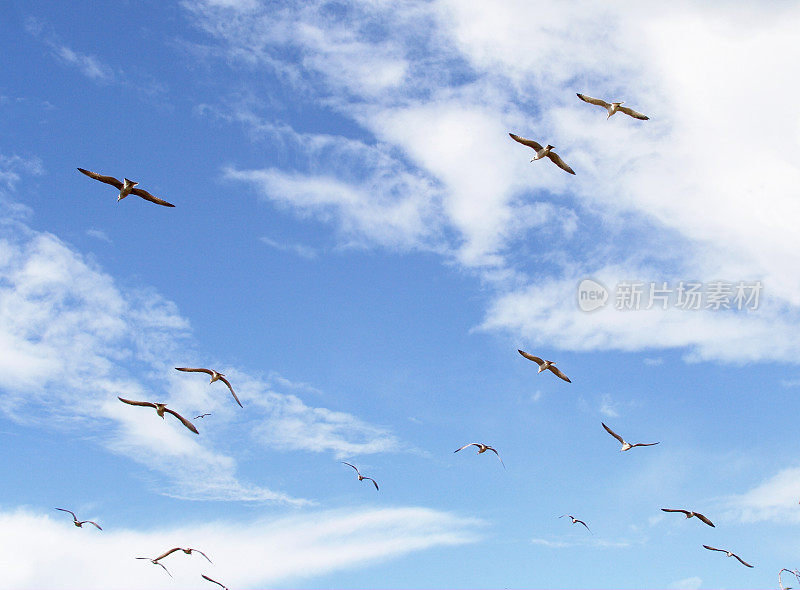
{"x": 361, "y": 248}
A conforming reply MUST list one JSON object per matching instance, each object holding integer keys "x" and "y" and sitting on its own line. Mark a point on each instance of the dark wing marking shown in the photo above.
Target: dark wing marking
{"x": 558, "y": 373}
{"x": 469, "y": 445}
{"x": 559, "y": 162}
{"x": 644, "y": 444}
{"x": 226, "y": 382}
{"x": 188, "y": 370}
{"x": 92, "y": 522}
{"x": 205, "y": 577}
{"x": 714, "y": 548}
{"x": 742, "y": 561}
{"x": 584, "y": 524}
{"x": 353, "y": 466}
{"x": 107, "y": 179}
{"x": 148, "y": 197}
{"x": 135, "y": 403}
{"x": 186, "y": 423}
{"x": 686, "y": 512}
{"x": 75, "y": 518}
{"x": 202, "y": 415}
{"x": 201, "y": 553}
{"x": 590, "y": 100}
{"x": 529, "y": 142}
{"x": 612, "y": 433}
{"x": 704, "y": 519}
{"x": 373, "y": 481}
{"x": 498, "y": 456}
{"x": 530, "y": 357}
{"x": 168, "y": 552}
{"x": 634, "y": 114}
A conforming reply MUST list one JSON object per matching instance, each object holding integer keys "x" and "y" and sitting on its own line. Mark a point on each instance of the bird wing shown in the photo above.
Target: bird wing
{"x": 644, "y": 444}
{"x": 374, "y": 482}
{"x": 226, "y": 382}
{"x": 558, "y": 373}
{"x": 92, "y": 522}
{"x": 714, "y": 548}
{"x": 584, "y": 524}
{"x": 75, "y": 518}
{"x": 612, "y": 433}
{"x": 107, "y": 179}
{"x": 559, "y": 162}
{"x": 353, "y": 466}
{"x": 168, "y": 552}
{"x": 634, "y": 114}
{"x": 201, "y": 553}
{"x": 529, "y": 142}
{"x": 742, "y": 561}
{"x": 188, "y": 370}
{"x": 498, "y": 456}
{"x": 686, "y": 512}
{"x": 530, "y": 357}
{"x": 465, "y": 446}
{"x": 202, "y": 416}
{"x": 148, "y": 197}
{"x": 135, "y": 403}
{"x": 205, "y": 577}
{"x": 165, "y": 569}
{"x": 597, "y": 101}
{"x": 186, "y": 423}
{"x": 704, "y": 519}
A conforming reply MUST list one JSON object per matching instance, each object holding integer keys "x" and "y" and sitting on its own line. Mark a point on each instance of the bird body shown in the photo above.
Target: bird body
{"x": 215, "y": 376}
{"x": 626, "y": 445}
{"x": 126, "y": 188}
{"x": 545, "y": 365}
{"x": 613, "y": 107}
{"x": 543, "y": 152}
{"x": 160, "y": 409}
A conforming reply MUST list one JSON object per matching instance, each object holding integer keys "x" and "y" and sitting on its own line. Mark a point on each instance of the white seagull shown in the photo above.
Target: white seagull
{"x": 576, "y": 520}
{"x": 126, "y": 188}
{"x": 214, "y": 377}
{"x": 79, "y": 523}
{"x": 543, "y": 152}
{"x": 729, "y": 554}
{"x": 689, "y": 514}
{"x": 482, "y": 449}
{"x": 160, "y": 409}
{"x": 625, "y": 445}
{"x": 545, "y": 365}
{"x": 613, "y": 107}
{"x": 362, "y": 477}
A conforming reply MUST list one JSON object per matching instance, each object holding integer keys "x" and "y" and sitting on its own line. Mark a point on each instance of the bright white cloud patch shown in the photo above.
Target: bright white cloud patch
{"x": 774, "y": 499}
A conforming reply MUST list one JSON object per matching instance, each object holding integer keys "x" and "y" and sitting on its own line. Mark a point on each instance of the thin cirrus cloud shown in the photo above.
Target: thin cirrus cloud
{"x": 691, "y": 215}
{"x": 299, "y": 547}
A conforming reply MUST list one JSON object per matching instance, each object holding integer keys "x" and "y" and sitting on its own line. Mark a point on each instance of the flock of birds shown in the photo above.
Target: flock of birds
{"x": 128, "y": 187}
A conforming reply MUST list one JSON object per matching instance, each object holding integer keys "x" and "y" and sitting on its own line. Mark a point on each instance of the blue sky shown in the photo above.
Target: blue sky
{"x": 359, "y": 246}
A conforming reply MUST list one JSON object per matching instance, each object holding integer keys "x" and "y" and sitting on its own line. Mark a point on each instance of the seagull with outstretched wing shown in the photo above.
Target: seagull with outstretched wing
{"x": 576, "y": 520}
{"x": 79, "y": 523}
{"x": 126, "y": 188}
{"x": 160, "y": 409}
{"x": 187, "y": 551}
{"x": 482, "y": 449}
{"x": 729, "y": 554}
{"x": 205, "y": 577}
{"x": 362, "y": 477}
{"x": 625, "y": 445}
{"x": 543, "y": 152}
{"x": 545, "y": 365}
{"x": 689, "y": 514}
{"x": 215, "y": 376}
{"x": 613, "y": 107}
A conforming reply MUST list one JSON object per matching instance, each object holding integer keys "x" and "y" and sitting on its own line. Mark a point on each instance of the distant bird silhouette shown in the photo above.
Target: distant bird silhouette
{"x": 626, "y": 446}
{"x": 543, "y": 152}
{"x": 160, "y": 409}
{"x": 575, "y": 520}
{"x": 545, "y": 365}
{"x": 126, "y": 188}
{"x": 205, "y": 577}
{"x": 79, "y": 523}
{"x": 482, "y": 449}
{"x": 613, "y": 107}
{"x": 214, "y": 377}
{"x": 202, "y": 415}
{"x": 691, "y": 513}
{"x": 361, "y": 477}
{"x": 729, "y": 554}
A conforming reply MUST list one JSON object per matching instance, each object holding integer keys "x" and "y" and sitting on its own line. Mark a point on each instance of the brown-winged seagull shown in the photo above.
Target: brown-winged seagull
{"x": 126, "y": 188}
{"x": 576, "y": 520}
{"x": 543, "y": 152}
{"x": 729, "y": 554}
{"x": 689, "y": 514}
{"x": 160, "y": 409}
{"x": 362, "y": 477}
{"x": 79, "y": 523}
{"x": 625, "y": 445}
{"x": 214, "y": 377}
{"x": 795, "y": 573}
{"x": 187, "y": 551}
{"x": 202, "y": 415}
{"x": 545, "y": 365}
{"x": 613, "y": 107}
{"x": 205, "y": 577}
{"x": 482, "y": 449}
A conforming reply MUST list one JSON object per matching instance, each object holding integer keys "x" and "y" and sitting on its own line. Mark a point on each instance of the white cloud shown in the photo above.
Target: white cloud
{"x": 607, "y": 407}
{"x": 299, "y": 548}
{"x": 299, "y": 249}
{"x": 98, "y": 234}
{"x": 774, "y": 499}
{"x": 89, "y": 65}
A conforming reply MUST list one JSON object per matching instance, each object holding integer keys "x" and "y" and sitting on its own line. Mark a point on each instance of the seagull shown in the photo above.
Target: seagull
{"x": 482, "y": 449}
{"x": 79, "y": 523}
{"x": 214, "y": 377}
{"x": 613, "y": 107}
{"x": 126, "y": 188}
{"x": 361, "y": 477}
{"x": 729, "y": 554}
{"x": 543, "y": 152}
{"x": 689, "y": 514}
{"x": 205, "y": 577}
{"x": 575, "y": 520}
{"x": 545, "y": 365}
{"x": 795, "y": 573}
{"x": 627, "y": 446}
{"x": 174, "y": 549}
{"x": 202, "y": 416}
{"x": 160, "y": 409}
{"x": 155, "y": 561}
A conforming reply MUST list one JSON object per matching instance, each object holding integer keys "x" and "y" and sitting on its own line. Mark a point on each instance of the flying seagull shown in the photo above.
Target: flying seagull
{"x": 156, "y": 562}
{"x": 613, "y": 107}
{"x": 126, "y": 188}
{"x": 160, "y": 409}
{"x": 575, "y": 521}
{"x": 545, "y": 365}
{"x": 214, "y": 377}
{"x": 795, "y": 573}
{"x": 79, "y": 523}
{"x": 174, "y": 549}
{"x": 543, "y": 152}
{"x": 729, "y": 554}
{"x": 689, "y": 514}
{"x": 626, "y": 446}
{"x": 361, "y": 477}
{"x": 482, "y": 449}
{"x": 202, "y": 415}
{"x": 205, "y": 577}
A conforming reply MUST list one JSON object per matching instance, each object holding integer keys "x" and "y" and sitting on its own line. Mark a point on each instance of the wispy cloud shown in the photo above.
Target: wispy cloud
{"x": 98, "y": 234}
{"x": 298, "y": 249}
{"x": 692, "y": 583}
{"x": 607, "y": 407}
{"x": 576, "y": 542}
{"x": 774, "y": 499}
{"x": 89, "y": 65}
